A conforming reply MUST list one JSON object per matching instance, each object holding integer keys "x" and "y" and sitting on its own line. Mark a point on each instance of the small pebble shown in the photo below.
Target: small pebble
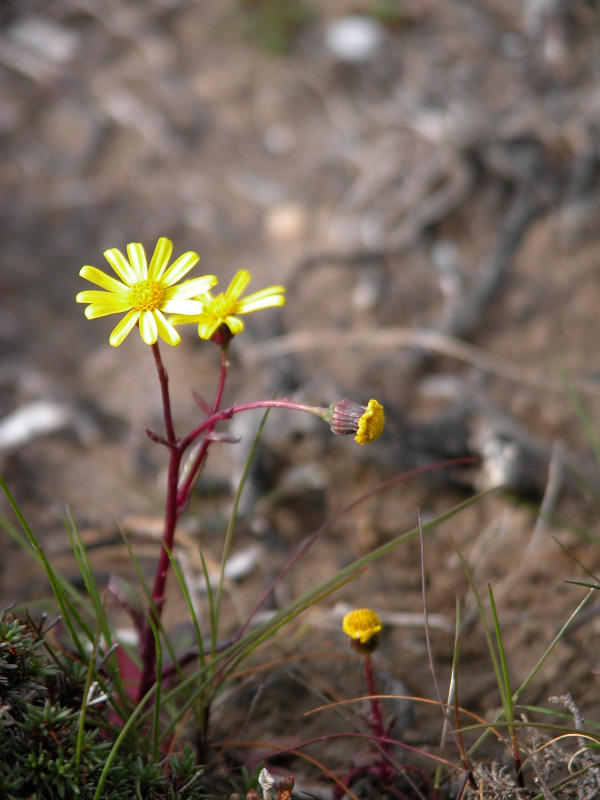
{"x": 355, "y": 38}
{"x": 286, "y": 222}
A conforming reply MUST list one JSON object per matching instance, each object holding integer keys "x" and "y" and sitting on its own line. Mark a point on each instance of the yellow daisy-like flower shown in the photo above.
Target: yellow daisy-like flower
{"x": 362, "y": 625}
{"x": 144, "y": 292}
{"x": 222, "y": 309}
{"x": 371, "y": 423}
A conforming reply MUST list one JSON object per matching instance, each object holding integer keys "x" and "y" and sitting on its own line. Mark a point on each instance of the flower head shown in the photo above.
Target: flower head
{"x": 222, "y": 309}
{"x": 144, "y": 293}
{"x": 363, "y": 626}
{"x": 348, "y": 416}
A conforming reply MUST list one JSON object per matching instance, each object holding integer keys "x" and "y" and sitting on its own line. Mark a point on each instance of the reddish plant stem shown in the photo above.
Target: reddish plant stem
{"x": 163, "y": 379}
{"x": 148, "y": 645}
{"x": 376, "y": 718}
{"x": 376, "y": 722}
{"x": 178, "y": 496}
{"x": 227, "y": 413}
{"x": 183, "y": 493}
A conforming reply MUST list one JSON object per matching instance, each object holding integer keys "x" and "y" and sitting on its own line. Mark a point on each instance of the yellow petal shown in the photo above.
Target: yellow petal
{"x": 184, "y": 319}
{"x": 148, "y": 327}
{"x": 121, "y": 330}
{"x": 181, "y": 267}
{"x": 119, "y": 301}
{"x": 95, "y": 310}
{"x": 165, "y": 330}
{"x": 267, "y": 298}
{"x": 120, "y": 265}
{"x": 238, "y": 283}
{"x": 234, "y": 324}
{"x": 191, "y": 288}
{"x": 187, "y": 308}
{"x": 160, "y": 258}
{"x": 95, "y": 275}
{"x": 137, "y": 259}
{"x": 208, "y": 327}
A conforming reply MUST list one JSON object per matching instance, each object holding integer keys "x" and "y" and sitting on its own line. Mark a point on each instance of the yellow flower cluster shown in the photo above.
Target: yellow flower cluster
{"x": 371, "y": 423}
{"x": 145, "y": 293}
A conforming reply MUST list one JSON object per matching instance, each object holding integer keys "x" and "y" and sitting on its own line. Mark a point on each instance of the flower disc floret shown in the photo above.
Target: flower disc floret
{"x": 146, "y": 296}
{"x": 362, "y": 625}
{"x": 224, "y": 308}
{"x": 371, "y": 423}
{"x": 144, "y": 293}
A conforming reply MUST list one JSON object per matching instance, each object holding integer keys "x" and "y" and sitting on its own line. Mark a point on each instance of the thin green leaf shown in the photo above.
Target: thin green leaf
{"x": 231, "y": 528}
{"x": 86, "y": 691}
{"x": 504, "y": 685}
{"x": 57, "y": 584}
{"x": 157, "y": 694}
{"x": 129, "y": 725}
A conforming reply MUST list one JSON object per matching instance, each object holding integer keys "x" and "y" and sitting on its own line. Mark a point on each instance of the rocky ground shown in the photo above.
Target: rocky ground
{"x": 428, "y": 193}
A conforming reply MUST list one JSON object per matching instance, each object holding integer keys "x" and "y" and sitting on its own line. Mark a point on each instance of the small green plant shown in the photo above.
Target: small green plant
{"x": 273, "y": 24}
{"x": 45, "y": 752}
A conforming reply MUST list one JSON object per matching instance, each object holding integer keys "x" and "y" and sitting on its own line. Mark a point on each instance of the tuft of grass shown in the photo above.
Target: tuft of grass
{"x": 56, "y": 729}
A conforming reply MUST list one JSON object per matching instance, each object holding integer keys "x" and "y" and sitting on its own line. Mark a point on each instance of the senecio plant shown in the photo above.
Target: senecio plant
{"x": 156, "y": 299}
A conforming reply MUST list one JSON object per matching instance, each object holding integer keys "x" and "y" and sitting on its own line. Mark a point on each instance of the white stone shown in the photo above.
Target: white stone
{"x": 354, "y": 38}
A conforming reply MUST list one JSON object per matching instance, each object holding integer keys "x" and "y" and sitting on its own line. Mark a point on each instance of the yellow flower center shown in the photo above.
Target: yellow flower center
{"x": 222, "y": 307}
{"x": 362, "y": 624}
{"x": 371, "y": 423}
{"x": 146, "y": 296}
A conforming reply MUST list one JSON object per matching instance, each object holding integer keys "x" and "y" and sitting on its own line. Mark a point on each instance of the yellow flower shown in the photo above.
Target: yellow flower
{"x": 144, "y": 292}
{"x": 370, "y": 424}
{"x": 362, "y": 625}
{"x": 348, "y": 416}
{"x": 222, "y": 309}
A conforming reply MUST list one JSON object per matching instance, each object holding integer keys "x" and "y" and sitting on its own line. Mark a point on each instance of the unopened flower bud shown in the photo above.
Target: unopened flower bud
{"x": 286, "y": 784}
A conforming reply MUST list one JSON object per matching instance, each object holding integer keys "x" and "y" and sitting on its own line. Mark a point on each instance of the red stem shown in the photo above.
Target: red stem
{"x": 163, "y": 379}
{"x": 148, "y": 645}
{"x": 183, "y": 493}
{"x": 178, "y": 496}
{"x": 376, "y": 718}
{"x": 227, "y": 413}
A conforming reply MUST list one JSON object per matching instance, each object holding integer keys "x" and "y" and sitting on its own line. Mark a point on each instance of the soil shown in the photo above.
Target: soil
{"x": 433, "y": 211}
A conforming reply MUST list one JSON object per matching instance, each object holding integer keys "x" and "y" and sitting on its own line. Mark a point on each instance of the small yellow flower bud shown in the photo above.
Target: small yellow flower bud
{"x": 363, "y": 626}
{"x": 348, "y": 416}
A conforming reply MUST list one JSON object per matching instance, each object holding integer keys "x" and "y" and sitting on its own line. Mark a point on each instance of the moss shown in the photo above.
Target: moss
{"x": 41, "y": 696}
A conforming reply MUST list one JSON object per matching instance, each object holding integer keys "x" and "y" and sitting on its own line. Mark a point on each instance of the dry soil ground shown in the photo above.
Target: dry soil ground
{"x": 433, "y": 210}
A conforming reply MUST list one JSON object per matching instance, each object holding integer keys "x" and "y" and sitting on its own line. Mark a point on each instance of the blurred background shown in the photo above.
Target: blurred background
{"x": 423, "y": 176}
